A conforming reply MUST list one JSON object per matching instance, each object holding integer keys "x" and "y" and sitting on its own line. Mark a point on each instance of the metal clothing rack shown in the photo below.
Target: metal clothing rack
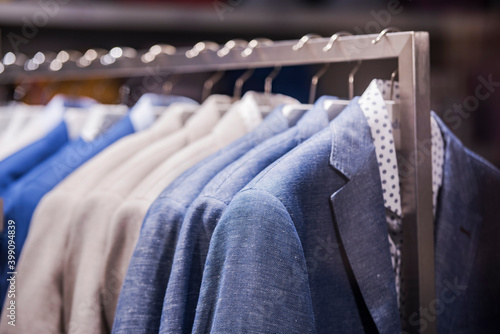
{"x": 410, "y": 48}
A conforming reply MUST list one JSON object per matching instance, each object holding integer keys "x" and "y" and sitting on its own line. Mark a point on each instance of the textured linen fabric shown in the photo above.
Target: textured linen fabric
{"x": 22, "y": 197}
{"x": 83, "y": 305}
{"x": 303, "y": 248}
{"x": 124, "y": 228}
{"x": 149, "y": 269}
{"x": 39, "y": 279}
{"x": 190, "y": 253}
{"x": 467, "y": 235}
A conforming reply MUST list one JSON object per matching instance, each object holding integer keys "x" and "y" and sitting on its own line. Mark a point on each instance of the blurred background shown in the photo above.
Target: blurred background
{"x": 464, "y": 35}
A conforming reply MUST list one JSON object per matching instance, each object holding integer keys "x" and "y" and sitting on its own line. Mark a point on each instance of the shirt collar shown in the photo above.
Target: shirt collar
{"x": 142, "y": 114}
{"x": 374, "y": 109}
{"x": 207, "y": 116}
{"x": 253, "y": 105}
{"x": 437, "y": 161}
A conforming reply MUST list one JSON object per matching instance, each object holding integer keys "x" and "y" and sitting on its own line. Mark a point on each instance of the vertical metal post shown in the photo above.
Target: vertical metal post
{"x": 418, "y": 283}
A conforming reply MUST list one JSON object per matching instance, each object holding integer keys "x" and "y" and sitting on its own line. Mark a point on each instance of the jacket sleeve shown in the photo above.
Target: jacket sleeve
{"x": 255, "y": 278}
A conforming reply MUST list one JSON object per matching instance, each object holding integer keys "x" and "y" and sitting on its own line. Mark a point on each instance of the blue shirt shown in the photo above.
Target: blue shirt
{"x": 23, "y": 196}
{"x": 16, "y": 165}
{"x": 189, "y": 261}
{"x": 149, "y": 268}
{"x": 21, "y": 162}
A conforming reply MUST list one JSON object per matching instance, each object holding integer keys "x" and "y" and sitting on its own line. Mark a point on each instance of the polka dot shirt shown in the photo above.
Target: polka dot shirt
{"x": 374, "y": 108}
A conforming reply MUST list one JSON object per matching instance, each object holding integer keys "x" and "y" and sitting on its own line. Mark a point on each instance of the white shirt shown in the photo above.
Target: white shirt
{"x": 40, "y": 125}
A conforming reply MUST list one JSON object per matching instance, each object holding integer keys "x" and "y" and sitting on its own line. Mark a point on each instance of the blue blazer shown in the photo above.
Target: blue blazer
{"x": 149, "y": 269}
{"x": 185, "y": 278}
{"x": 467, "y": 243}
{"x": 304, "y": 249}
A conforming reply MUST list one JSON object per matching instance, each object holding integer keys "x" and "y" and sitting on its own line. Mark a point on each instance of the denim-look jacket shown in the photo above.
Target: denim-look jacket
{"x": 303, "y": 248}
{"x": 185, "y": 278}
{"x": 149, "y": 269}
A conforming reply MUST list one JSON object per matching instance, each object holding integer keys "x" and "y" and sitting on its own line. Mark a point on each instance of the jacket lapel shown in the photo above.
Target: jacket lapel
{"x": 457, "y": 227}
{"x": 359, "y": 213}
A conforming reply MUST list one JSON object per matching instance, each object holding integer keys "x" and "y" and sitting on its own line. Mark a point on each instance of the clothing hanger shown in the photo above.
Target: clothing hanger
{"x": 393, "y": 76}
{"x": 391, "y": 105}
{"x": 63, "y": 57}
{"x": 167, "y": 89}
{"x": 168, "y": 85}
{"x": 209, "y": 84}
{"x": 306, "y": 38}
{"x": 158, "y": 50}
{"x": 124, "y": 94}
{"x": 215, "y": 78}
{"x": 239, "y": 83}
{"x": 351, "y": 79}
{"x": 212, "y": 80}
{"x": 185, "y": 112}
{"x": 268, "y": 82}
{"x": 201, "y": 47}
{"x": 265, "y": 100}
{"x": 334, "y": 38}
{"x": 315, "y": 79}
{"x": 394, "y": 111}
{"x": 224, "y": 51}
{"x": 291, "y": 112}
{"x": 266, "y": 105}
{"x": 90, "y": 56}
{"x": 314, "y": 82}
{"x": 253, "y": 44}
{"x": 333, "y": 106}
{"x": 234, "y": 43}
{"x": 245, "y": 76}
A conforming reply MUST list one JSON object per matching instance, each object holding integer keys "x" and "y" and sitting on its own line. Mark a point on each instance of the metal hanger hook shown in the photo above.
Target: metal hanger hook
{"x": 306, "y": 38}
{"x": 231, "y": 45}
{"x": 209, "y": 84}
{"x": 124, "y": 93}
{"x": 334, "y": 38}
{"x": 351, "y": 79}
{"x": 314, "y": 82}
{"x": 393, "y": 77}
{"x": 268, "y": 85}
{"x": 200, "y": 47}
{"x": 253, "y": 44}
{"x": 169, "y": 84}
{"x": 240, "y": 81}
{"x": 157, "y": 50}
{"x": 383, "y": 33}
